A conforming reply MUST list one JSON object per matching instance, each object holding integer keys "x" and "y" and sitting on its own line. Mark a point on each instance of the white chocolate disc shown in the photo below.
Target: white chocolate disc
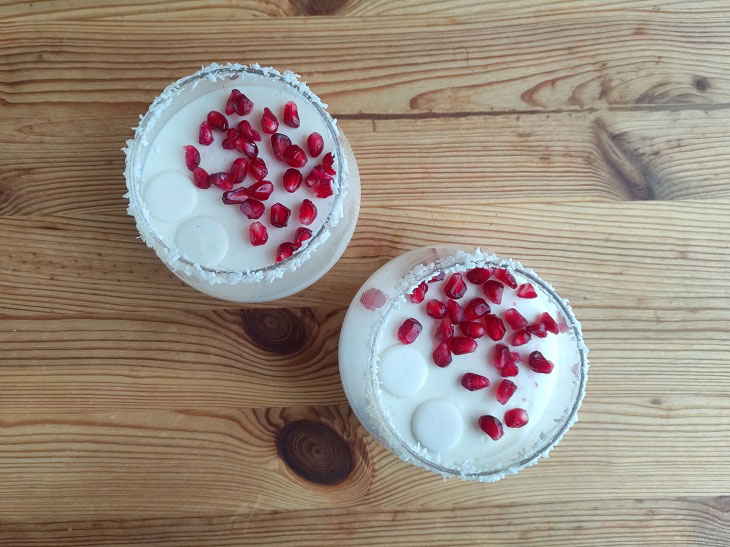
{"x": 403, "y": 370}
{"x": 438, "y": 425}
{"x": 170, "y": 196}
{"x": 203, "y": 240}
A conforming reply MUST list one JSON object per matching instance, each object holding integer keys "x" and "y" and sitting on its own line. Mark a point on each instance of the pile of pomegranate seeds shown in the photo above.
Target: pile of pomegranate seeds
{"x": 251, "y": 199}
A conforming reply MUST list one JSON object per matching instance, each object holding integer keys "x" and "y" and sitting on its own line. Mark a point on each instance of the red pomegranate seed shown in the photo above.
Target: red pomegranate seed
{"x": 505, "y": 390}
{"x": 472, "y": 329}
{"x": 455, "y": 286}
{"x": 526, "y": 291}
{"x": 373, "y": 299}
{"x": 478, "y": 275}
{"x": 269, "y": 123}
{"x": 294, "y": 156}
{"x": 257, "y": 234}
{"x": 520, "y": 338}
{"x": 292, "y": 180}
{"x": 493, "y": 291}
{"x": 550, "y": 324}
{"x": 201, "y": 179}
{"x": 229, "y": 143}
{"x": 217, "y": 121}
{"x": 258, "y": 169}
{"x": 231, "y": 101}
{"x": 253, "y": 208}
{"x": 243, "y": 105}
{"x": 409, "y": 331}
{"x": 538, "y": 329}
{"x": 291, "y": 114}
{"x": 222, "y": 180}
{"x": 323, "y": 189}
{"x": 435, "y": 309}
{"x": 307, "y": 212}
{"x": 472, "y": 381}
{"x": 315, "y": 175}
{"x": 301, "y": 235}
{"x": 438, "y": 277}
{"x": 261, "y": 190}
{"x": 442, "y": 355}
{"x": 517, "y": 417}
{"x": 279, "y": 215}
{"x": 494, "y": 327}
{"x": 238, "y": 170}
{"x": 491, "y": 426}
{"x": 284, "y": 251}
{"x": 537, "y": 362}
{"x": 192, "y": 156}
{"x": 239, "y": 195}
{"x": 476, "y": 308}
{"x": 205, "y": 135}
{"x": 279, "y": 143}
{"x": 246, "y": 147}
{"x": 247, "y": 131}
{"x": 502, "y": 356}
{"x": 456, "y": 312}
{"x": 505, "y": 277}
{"x": 514, "y": 319}
{"x": 327, "y": 164}
{"x": 315, "y": 144}
{"x": 445, "y": 330}
{"x": 462, "y": 344}
{"x": 419, "y": 293}
{"x": 509, "y": 370}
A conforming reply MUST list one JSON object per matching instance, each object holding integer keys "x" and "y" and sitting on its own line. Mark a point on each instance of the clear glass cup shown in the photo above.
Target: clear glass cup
{"x": 358, "y": 362}
{"x": 274, "y": 281}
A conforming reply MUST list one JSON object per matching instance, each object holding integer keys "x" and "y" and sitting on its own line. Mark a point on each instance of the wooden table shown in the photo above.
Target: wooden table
{"x": 588, "y": 139}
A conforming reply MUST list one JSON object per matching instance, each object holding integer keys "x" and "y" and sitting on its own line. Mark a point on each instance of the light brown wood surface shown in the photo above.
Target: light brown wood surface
{"x": 587, "y": 139}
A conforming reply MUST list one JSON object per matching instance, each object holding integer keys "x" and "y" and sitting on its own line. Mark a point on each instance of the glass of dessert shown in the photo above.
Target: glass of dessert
{"x": 465, "y": 364}
{"x": 242, "y": 182}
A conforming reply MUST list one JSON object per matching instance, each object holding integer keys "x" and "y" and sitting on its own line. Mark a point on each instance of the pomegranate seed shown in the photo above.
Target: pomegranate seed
{"x": 472, "y": 381}
{"x": 258, "y": 169}
{"x": 373, "y": 299}
{"x": 284, "y": 251}
{"x": 238, "y": 170}
{"x": 509, "y": 370}
{"x": 323, "y": 189}
{"x": 476, "y": 308}
{"x": 269, "y": 123}
{"x": 526, "y": 291}
{"x": 505, "y": 277}
{"x": 261, "y": 190}
{"x": 217, "y": 121}
{"x": 444, "y": 331}
{"x": 505, "y": 390}
{"x": 517, "y": 417}
{"x": 537, "y": 362}
{"x": 327, "y": 164}
{"x": 502, "y": 356}
{"x": 456, "y": 312}
{"x": 222, "y": 180}
{"x": 478, "y": 275}
{"x": 201, "y": 179}
{"x": 409, "y": 331}
{"x": 239, "y": 195}
{"x": 279, "y": 143}
{"x": 291, "y": 115}
{"x": 253, "y": 208}
{"x": 247, "y": 131}
{"x": 307, "y": 212}
{"x": 419, "y": 293}
{"x": 315, "y": 144}
{"x": 257, "y": 233}
{"x": 442, "y": 355}
{"x": 243, "y": 105}
{"x": 455, "y": 286}
{"x": 229, "y": 143}
{"x": 538, "y": 329}
{"x": 205, "y": 135}
{"x": 462, "y": 344}
{"x": 231, "y": 101}
{"x": 514, "y": 319}
{"x": 292, "y": 180}
{"x": 315, "y": 175}
{"x": 493, "y": 291}
{"x": 295, "y": 156}
{"x": 472, "y": 329}
{"x": 435, "y": 309}
{"x": 192, "y": 156}
{"x": 246, "y": 147}
{"x": 550, "y": 324}
{"x": 520, "y": 338}
{"x": 491, "y": 426}
{"x": 279, "y": 215}
{"x": 438, "y": 277}
{"x": 494, "y": 327}
{"x": 301, "y": 235}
